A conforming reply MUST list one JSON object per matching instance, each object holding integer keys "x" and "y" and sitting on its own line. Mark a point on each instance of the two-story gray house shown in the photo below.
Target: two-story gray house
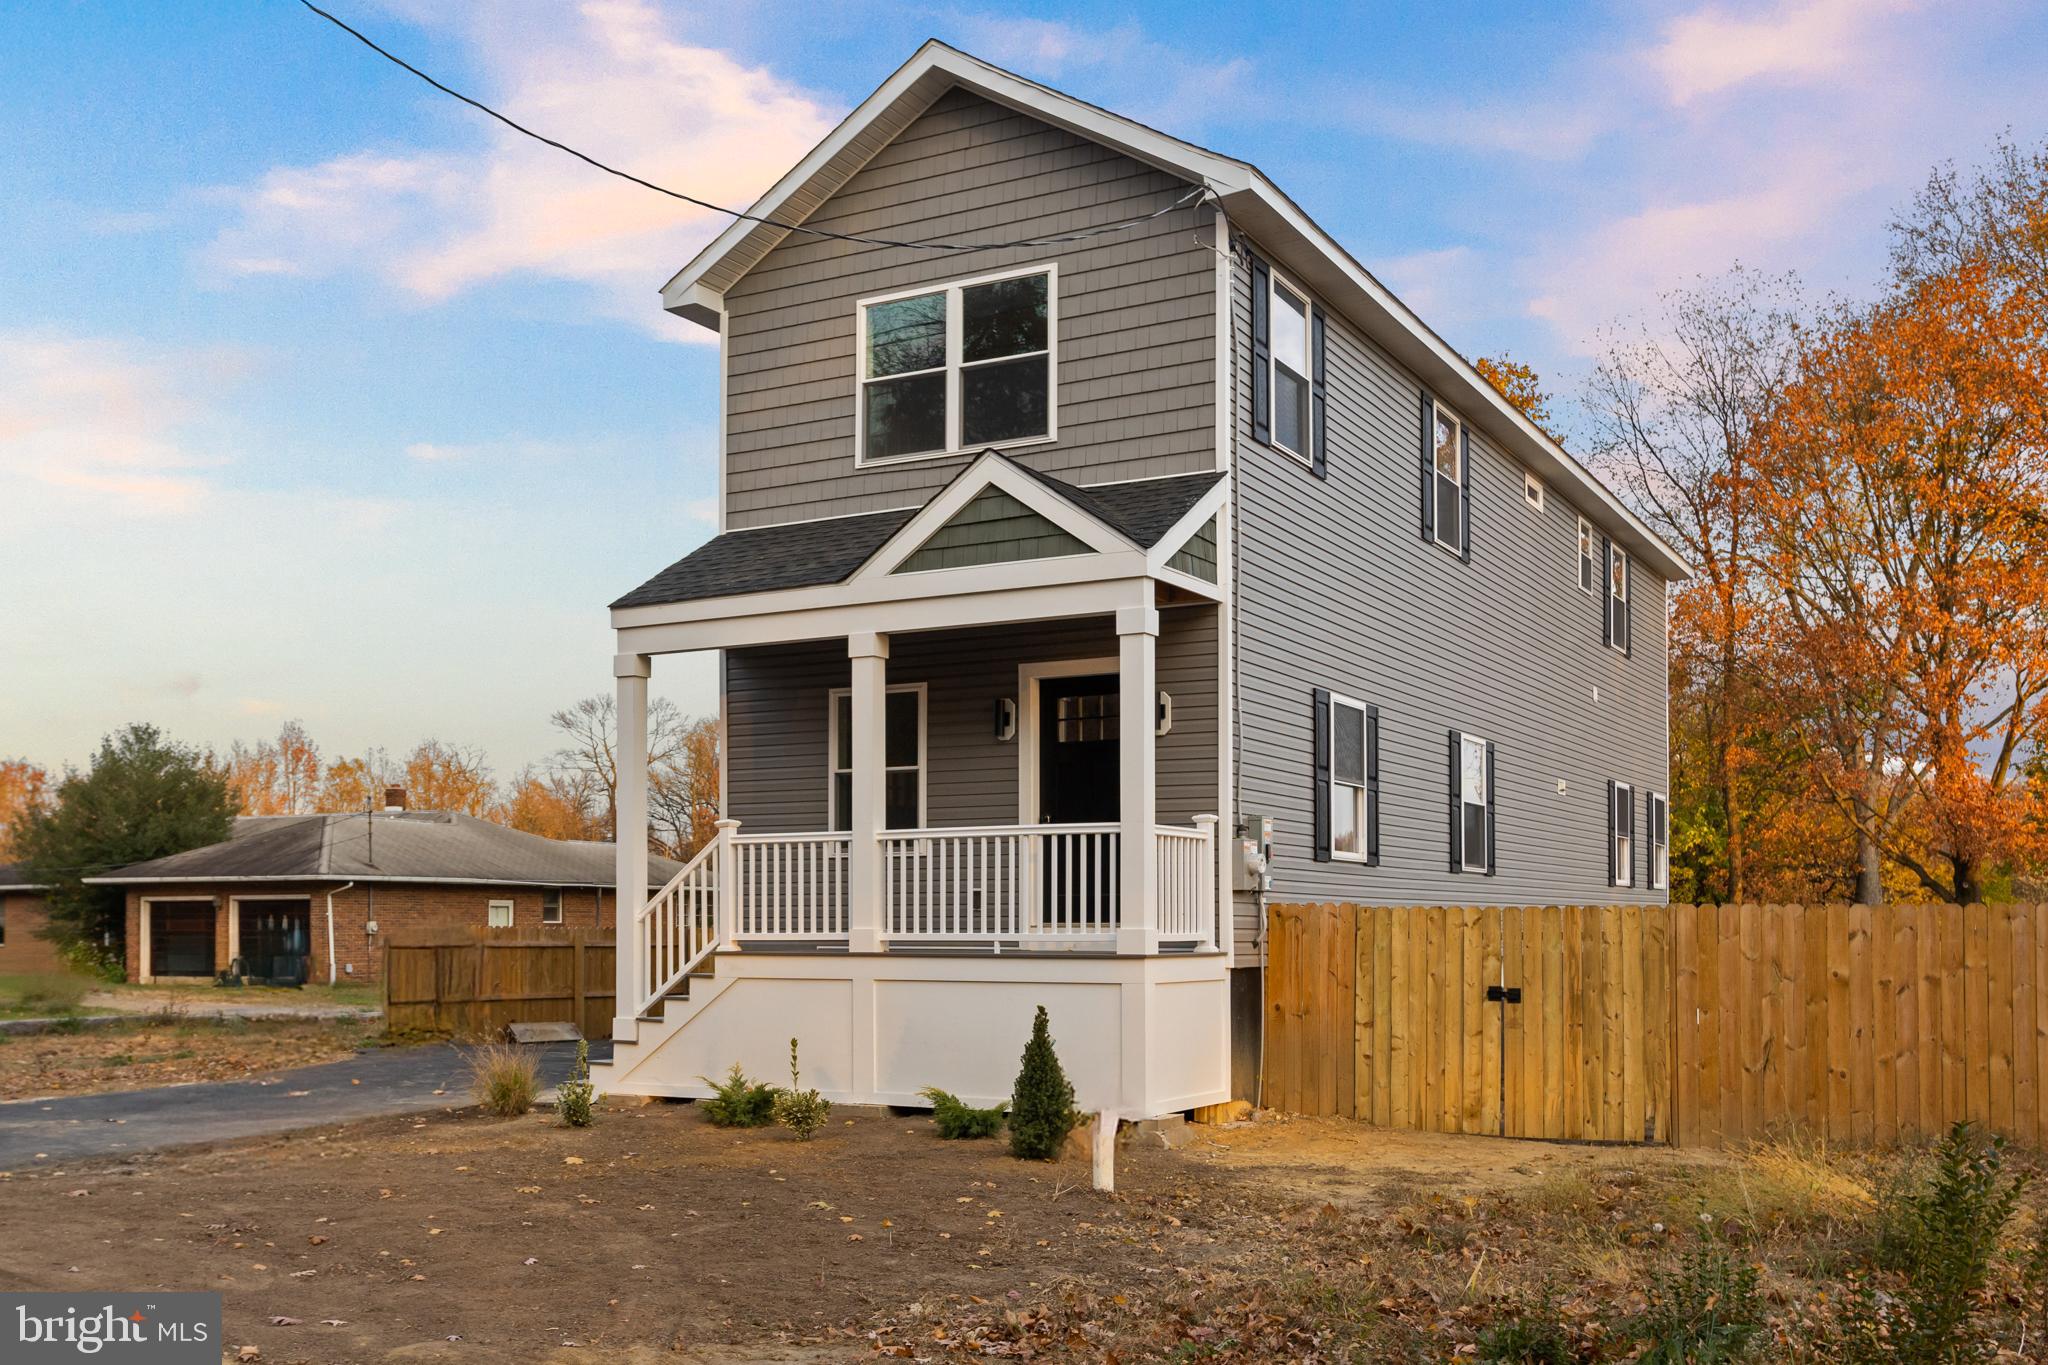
{"x": 1085, "y": 514}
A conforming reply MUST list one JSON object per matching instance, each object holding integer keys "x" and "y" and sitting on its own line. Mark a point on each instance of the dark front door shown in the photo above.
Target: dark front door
{"x": 275, "y": 939}
{"x": 1077, "y": 750}
{"x": 181, "y": 939}
{"x": 1077, "y": 785}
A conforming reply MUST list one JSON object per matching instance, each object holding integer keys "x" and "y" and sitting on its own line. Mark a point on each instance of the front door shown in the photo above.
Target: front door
{"x": 275, "y": 939}
{"x": 1077, "y": 785}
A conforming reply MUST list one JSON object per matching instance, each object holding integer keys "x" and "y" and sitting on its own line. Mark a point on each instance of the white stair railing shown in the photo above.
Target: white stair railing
{"x": 790, "y": 886}
{"x": 678, "y": 928}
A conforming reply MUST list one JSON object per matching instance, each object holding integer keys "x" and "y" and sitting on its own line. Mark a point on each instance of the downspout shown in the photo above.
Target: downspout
{"x": 330, "y": 928}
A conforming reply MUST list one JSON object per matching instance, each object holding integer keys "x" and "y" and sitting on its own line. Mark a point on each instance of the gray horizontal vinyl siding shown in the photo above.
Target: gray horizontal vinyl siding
{"x": 1136, "y": 314}
{"x": 1337, "y": 589}
{"x": 777, "y": 722}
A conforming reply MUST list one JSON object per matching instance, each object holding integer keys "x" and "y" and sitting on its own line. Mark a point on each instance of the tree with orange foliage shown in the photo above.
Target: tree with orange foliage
{"x": 449, "y": 777}
{"x": 1519, "y": 384}
{"x": 1905, "y": 478}
{"x": 356, "y": 784}
{"x": 553, "y": 805}
{"x": 24, "y": 789}
{"x": 683, "y": 791}
{"x": 275, "y": 777}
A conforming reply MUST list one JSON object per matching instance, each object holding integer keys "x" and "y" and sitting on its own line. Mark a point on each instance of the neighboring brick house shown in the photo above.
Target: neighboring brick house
{"x": 317, "y": 894}
{"x": 23, "y": 917}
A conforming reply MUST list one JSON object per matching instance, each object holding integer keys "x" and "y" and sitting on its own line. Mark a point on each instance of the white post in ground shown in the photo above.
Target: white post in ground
{"x": 629, "y": 838}
{"x": 1137, "y": 630}
{"x": 727, "y": 900}
{"x": 868, "y": 652}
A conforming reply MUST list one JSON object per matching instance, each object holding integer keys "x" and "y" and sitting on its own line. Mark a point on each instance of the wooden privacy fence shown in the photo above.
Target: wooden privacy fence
{"x": 1686, "y": 1024}
{"x": 472, "y": 981}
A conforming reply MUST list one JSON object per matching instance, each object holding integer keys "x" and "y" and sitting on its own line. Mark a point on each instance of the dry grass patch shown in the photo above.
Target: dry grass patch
{"x": 166, "y": 1050}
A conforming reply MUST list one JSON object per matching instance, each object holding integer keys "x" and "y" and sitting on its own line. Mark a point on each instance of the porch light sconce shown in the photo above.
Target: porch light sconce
{"x": 1165, "y": 713}
{"x": 1006, "y": 719}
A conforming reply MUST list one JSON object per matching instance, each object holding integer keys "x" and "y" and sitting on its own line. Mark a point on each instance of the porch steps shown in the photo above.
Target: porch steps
{"x": 667, "y": 1018}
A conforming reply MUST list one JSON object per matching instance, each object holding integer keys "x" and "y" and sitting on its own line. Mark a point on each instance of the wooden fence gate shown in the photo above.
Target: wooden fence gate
{"x": 1520, "y": 1022}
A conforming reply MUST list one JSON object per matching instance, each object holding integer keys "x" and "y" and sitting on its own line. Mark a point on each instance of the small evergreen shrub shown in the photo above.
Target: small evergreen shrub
{"x": 1941, "y": 1238}
{"x": 738, "y": 1102}
{"x": 504, "y": 1079}
{"x": 1042, "y": 1104}
{"x": 958, "y": 1120}
{"x": 1704, "y": 1312}
{"x": 573, "y": 1097}
{"x": 801, "y": 1111}
{"x": 1533, "y": 1336}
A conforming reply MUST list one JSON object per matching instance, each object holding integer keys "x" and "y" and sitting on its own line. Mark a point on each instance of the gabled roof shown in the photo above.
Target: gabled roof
{"x": 409, "y": 846}
{"x": 807, "y": 554}
{"x": 1252, "y": 202}
{"x": 14, "y": 877}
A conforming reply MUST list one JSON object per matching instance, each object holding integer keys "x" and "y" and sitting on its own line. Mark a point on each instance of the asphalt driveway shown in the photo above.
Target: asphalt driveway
{"x": 372, "y": 1083}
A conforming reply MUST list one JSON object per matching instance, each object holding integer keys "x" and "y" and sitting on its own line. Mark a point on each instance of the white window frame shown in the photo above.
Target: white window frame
{"x": 1617, "y": 606}
{"x": 491, "y": 909}
{"x": 1275, "y": 282}
{"x": 1589, "y": 563}
{"x": 1660, "y": 849}
{"x": 556, "y": 893}
{"x": 954, "y": 365}
{"x": 1465, "y": 863}
{"x": 1361, "y": 794}
{"x": 1532, "y": 491}
{"x": 1462, "y": 445}
{"x": 1621, "y": 834}
{"x": 833, "y": 770}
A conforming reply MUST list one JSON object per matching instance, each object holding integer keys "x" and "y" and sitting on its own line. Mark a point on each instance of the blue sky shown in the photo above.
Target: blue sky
{"x": 322, "y": 397}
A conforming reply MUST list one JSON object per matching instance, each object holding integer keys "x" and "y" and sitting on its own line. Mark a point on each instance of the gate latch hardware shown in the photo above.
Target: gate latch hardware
{"x": 1511, "y": 994}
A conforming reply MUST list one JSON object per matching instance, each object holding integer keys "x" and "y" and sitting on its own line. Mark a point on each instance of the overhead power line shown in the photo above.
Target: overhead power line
{"x": 1194, "y": 193}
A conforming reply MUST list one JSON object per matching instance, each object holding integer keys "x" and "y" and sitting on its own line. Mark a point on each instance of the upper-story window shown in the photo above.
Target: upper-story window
{"x": 1589, "y": 558}
{"x": 958, "y": 367}
{"x": 1448, "y": 437}
{"x": 1291, "y": 351}
{"x": 1617, "y": 600}
{"x": 1532, "y": 491}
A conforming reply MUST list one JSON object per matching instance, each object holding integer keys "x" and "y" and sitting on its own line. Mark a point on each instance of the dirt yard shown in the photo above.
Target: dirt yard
{"x": 163, "y": 1051}
{"x": 654, "y": 1236}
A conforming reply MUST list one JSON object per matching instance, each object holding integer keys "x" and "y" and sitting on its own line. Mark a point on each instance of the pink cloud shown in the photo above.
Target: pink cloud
{"x": 1714, "y": 49}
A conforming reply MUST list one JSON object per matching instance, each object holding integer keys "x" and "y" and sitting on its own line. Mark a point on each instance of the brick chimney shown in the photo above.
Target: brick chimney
{"x": 394, "y": 799}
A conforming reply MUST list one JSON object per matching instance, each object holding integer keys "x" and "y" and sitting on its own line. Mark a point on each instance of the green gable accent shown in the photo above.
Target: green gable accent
{"x": 994, "y": 528}
{"x": 1197, "y": 558}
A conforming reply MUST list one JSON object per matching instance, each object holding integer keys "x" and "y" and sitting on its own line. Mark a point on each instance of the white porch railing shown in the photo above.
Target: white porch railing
{"x": 791, "y": 886}
{"x": 678, "y": 927}
{"x": 999, "y": 883}
{"x": 1187, "y": 880}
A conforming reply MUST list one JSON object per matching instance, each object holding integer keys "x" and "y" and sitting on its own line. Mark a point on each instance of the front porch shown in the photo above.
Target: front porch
{"x": 956, "y": 786}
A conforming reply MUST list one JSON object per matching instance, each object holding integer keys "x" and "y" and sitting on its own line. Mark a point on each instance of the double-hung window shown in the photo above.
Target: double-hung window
{"x": 1589, "y": 559}
{"x": 1350, "y": 795}
{"x": 958, "y": 367}
{"x": 498, "y": 915}
{"x": 1291, "y": 350}
{"x": 551, "y": 905}
{"x": 902, "y": 758}
{"x": 1660, "y": 841}
{"x": 1621, "y": 832}
{"x": 1472, "y": 830}
{"x": 1617, "y": 599}
{"x": 1448, "y": 439}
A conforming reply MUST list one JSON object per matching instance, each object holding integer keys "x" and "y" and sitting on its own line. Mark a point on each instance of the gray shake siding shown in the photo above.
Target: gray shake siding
{"x": 1136, "y": 314}
{"x": 776, "y": 718}
{"x": 1336, "y": 589}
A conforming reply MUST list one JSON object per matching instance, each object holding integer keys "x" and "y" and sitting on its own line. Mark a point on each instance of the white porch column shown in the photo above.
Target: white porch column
{"x": 868, "y": 652}
{"x": 1137, "y": 631}
{"x": 629, "y": 836}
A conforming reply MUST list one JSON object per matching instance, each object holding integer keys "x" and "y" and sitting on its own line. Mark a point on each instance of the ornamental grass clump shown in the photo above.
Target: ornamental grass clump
{"x": 958, "y": 1119}
{"x": 801, "y": 1111}
{"x": 1042, "y": 1104}
{"x": 504, "y": 1079}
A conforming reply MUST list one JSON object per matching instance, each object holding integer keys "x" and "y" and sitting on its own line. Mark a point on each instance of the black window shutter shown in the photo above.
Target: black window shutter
{"x": 1428, "y": 466}
{"x": 1465, "y": 495}
{"x": 1649, "y": 838}
{"x": 1372, "y": 785}
{"x": 1606, "y": 596}
{"x": 1262, "y": 353}
{"x": 1318, "y": 396}
{"x": 1457, "y": 804}
{"x": 1632, "y": 840}
{"x": 1322, "y": 802}
{"x": 1613, "y": 877}
{"x": 1628, "y": 606}
{"x": 1492, "y": 844}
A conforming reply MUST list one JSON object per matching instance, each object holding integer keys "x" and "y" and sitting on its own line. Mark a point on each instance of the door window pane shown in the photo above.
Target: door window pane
{"x": 906, "y": 416}
{"x": 1003, "y": 402}
{"x": 906, "y": 335}
{"x": 1003, "y": 317}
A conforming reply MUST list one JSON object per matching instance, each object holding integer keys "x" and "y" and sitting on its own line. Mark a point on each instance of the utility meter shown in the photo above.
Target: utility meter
{"x": 1252, "y": 863}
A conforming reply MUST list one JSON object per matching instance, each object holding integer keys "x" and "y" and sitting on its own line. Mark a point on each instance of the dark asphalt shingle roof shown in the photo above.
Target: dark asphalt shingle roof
{"x": 808, "y": 554}
{"x": 418, "y": 846}
{"x": 14, "y": 877}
